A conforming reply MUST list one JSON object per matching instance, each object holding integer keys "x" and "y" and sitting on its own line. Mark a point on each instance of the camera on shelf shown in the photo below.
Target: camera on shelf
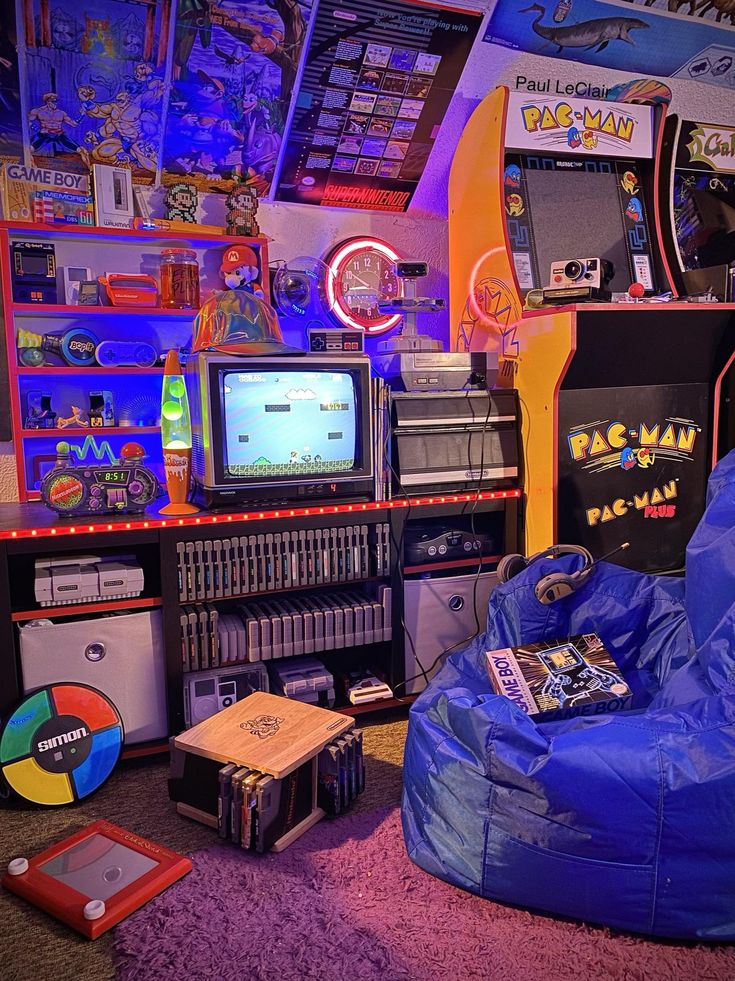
{"x": 597, "y": 273}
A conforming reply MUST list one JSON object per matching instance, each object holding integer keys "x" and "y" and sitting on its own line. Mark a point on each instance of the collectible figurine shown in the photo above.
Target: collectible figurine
{"x": 181, "y": 202}
{"x": 78, "y": 418}
{"x": 242, "y": 211}
{"x": 40, "y": 413}
{"x": 240, "y": 270}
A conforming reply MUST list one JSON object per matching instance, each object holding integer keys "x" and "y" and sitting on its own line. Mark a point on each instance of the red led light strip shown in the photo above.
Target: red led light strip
{"x": 83, "y": 528}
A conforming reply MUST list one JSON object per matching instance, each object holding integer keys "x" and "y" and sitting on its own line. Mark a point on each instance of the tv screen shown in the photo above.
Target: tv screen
{"x": 286, "y": 423}
{"x": 562, "y": 207}
{"x": 576, "y": 215}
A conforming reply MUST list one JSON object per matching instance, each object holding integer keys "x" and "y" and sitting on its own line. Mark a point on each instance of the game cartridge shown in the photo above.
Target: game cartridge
{"x": 189, "y": 565}
{"x": 344, "y": 793}
{"x": 249, "y": 804}
{"x": 236, "y": 802}
{"x": 224, "y": 801}
{"x": 261, "y": 563}
{"x": 181, "y": 570}
{"x": 253, "y": 564}
{"x": 360, "y": 760}
{"x": 328, "y": 795}
{"x": 244, "y": 565}
{"x": 234, "y": 563}
{"x": 351, "y": 763}
{"x": 198, "y": 571}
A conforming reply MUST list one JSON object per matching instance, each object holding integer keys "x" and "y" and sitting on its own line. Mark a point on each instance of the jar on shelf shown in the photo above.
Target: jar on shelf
{"x": 179, "y": 279}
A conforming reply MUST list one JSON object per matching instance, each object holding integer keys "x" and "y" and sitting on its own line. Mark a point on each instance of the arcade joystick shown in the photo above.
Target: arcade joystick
{"x": 636, "y": 291}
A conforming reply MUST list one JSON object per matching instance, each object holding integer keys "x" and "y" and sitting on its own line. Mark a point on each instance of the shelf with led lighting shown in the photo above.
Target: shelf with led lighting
{"x": 34, "y": 520}
{"x": 128, "y": 235}
{"x": 88, "y": 431}
{"x": 69, "y": 370}
{"x": 31, "y": 530}
{"x": 82, "y": 310}
{"x": 81, "y": 609}
{"x": 68, "y": 330}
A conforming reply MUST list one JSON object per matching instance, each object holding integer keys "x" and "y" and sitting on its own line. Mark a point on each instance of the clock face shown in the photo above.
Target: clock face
{"x": 362, "y": 272}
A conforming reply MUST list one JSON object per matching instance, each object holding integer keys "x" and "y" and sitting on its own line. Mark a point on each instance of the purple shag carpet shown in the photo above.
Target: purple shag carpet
{"x": 345, "y": 903}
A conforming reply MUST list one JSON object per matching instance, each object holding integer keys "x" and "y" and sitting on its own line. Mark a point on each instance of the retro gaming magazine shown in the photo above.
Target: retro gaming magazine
{"x": 560, "y": 678}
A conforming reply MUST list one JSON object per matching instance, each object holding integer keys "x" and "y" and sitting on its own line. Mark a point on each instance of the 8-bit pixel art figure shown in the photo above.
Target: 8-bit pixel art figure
{"x": 181, "y": 202}
{"x": 242, "y": 211}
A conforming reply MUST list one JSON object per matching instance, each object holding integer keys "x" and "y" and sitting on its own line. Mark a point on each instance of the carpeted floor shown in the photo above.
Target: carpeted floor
{"x": 35, "y": 947}
{"x": 347, "y": 904}
{"x": 348, "y": 880}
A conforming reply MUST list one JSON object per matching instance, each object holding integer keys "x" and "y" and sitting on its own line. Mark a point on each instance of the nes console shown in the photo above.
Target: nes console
{"x": 437, "y": 371}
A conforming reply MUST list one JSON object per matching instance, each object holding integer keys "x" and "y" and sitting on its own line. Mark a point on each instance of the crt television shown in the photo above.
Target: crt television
{"x": 280, "y": 429}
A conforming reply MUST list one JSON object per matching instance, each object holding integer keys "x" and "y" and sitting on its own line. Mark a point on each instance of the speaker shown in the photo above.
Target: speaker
{"x": 439, "y": 613}
{"x": 121, "y": 656}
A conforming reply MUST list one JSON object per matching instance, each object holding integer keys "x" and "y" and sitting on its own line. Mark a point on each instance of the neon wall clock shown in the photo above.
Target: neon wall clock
{"x": 361, "y": 272}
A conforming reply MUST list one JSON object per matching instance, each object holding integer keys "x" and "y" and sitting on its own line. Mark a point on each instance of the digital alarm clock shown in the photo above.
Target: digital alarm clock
{"x": 130, "y": 289}
{"x": 122, "y": 488}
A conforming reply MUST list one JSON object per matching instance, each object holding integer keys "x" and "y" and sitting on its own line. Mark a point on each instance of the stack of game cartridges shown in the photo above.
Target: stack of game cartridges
{"x": 340, "y": 773}
{"x": 256, "y": 771}
{"x": 200, "y": 637}
{"x": 288, "y": 626}
{"x": 220, "y": 568}
{"x": 255, "y": 810}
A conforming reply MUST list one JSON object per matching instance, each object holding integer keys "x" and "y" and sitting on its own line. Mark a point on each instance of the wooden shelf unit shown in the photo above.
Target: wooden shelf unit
{"x": 103, "y": 250}
{"x": 80, "y": 609}
{"x": 30, "y": 530}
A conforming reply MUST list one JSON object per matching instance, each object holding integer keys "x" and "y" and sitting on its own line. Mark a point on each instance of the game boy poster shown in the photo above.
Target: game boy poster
{"x": 378, "y": 78}
{"x": 632, "y": 467}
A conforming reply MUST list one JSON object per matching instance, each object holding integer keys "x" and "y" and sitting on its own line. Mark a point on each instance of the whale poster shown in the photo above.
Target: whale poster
{"x": 663, "y": 38}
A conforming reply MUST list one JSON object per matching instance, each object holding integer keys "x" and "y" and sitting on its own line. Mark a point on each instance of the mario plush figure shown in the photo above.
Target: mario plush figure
{"x": 240, "y": 269}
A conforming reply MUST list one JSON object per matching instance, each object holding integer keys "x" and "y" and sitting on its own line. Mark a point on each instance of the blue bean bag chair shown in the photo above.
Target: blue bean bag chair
{"x": 624, "y": 819}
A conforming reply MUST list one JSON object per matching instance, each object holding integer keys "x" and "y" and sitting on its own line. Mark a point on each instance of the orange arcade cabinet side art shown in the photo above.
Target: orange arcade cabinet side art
{"x": 618, "y": 404}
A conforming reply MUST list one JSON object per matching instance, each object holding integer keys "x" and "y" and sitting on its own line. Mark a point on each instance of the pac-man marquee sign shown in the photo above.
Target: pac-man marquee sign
{"x": 579, "y": 126}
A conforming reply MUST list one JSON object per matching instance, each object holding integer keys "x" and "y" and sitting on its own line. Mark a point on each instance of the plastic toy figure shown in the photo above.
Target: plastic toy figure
{"x": 242, "y": 212}
{"x": 78, "y": 419}
{"x": 240, "y": 269}
{"x": 181, "y": 202}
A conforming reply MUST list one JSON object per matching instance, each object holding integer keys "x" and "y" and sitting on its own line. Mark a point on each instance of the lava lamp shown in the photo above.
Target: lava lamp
{"x": 176, "y": 437}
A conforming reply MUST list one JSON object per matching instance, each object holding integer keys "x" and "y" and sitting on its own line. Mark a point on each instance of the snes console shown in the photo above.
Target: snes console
{"x": 86, "y": 578}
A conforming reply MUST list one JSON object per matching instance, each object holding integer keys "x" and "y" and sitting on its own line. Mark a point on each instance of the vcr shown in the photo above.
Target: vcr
{"x": 454, "y": 441}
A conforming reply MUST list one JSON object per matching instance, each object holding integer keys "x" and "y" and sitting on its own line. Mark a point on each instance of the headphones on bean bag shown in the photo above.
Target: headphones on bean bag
{"x": 556, "y": 585}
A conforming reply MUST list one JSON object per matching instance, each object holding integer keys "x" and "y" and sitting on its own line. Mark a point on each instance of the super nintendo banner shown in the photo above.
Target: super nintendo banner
{"x": 579, "y": 126}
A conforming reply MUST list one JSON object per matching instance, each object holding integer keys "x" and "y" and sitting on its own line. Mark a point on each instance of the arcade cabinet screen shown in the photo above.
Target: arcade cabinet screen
{"x": 577, "y": 215}
{"x": 288, "y": 423}
{"x": 704, "y": 211}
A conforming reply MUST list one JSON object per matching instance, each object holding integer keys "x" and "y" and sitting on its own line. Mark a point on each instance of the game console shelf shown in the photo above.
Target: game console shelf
{"x": 38, "y": 309}
{"x": 30, "y": 531}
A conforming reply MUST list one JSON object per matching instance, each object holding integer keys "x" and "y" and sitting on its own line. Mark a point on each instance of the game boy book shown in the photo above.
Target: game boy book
{"x": 560, "y": 678}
